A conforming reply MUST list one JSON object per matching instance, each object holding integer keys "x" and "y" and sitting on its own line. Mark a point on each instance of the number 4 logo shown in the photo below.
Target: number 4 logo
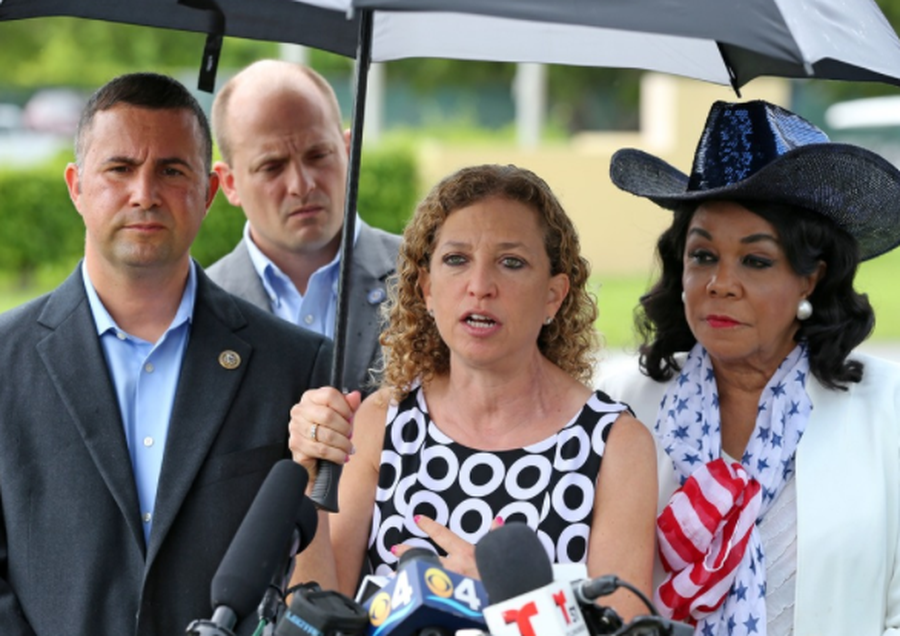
{"x": 403, "y": 591}
{"x": 465, "y": 593}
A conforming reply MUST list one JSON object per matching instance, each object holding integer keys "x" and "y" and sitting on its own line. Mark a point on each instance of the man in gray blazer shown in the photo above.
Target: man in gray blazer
{"x": 278, "y": 127}
{"x": 141, "y": 406}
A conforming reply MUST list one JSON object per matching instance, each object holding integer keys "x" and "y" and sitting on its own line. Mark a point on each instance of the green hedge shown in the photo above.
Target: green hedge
{"x": 40, "y": 224}
{"x": 388, "y": 185}
{"x": 41, "y": 227}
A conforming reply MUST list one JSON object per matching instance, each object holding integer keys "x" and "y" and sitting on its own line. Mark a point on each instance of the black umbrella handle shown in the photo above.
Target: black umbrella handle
{"x": 325, "y": 487}
{"x": 324, "y": 491}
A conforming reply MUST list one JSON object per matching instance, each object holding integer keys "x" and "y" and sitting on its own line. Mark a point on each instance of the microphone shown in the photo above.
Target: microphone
{"x": 603, "y": 620}
{"x": 525, "y": 600}
{"x": 260, "y": 545}
{"x": 424, "y": 598}
{"x": 307, "y": 522}
{"x": 315, "y": 612}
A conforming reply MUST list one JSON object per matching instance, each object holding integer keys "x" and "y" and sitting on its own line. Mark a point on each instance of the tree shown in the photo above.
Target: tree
{"x": 87, "y": 53}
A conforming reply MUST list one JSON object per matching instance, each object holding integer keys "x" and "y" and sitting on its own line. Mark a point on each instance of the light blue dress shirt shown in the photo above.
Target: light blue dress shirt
{"x": 315, "y": 310}
{"x": 145, "y": 376}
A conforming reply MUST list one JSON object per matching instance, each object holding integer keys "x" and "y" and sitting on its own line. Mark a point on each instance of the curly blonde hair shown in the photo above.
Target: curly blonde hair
{"x": 413, "y": 348}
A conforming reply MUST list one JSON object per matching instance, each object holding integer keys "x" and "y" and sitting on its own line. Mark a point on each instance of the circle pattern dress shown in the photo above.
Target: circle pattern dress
{"x": 549, "y": 485}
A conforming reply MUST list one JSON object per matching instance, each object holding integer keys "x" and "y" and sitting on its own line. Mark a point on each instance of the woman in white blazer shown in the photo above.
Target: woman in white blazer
{"x": 778, "y": 447}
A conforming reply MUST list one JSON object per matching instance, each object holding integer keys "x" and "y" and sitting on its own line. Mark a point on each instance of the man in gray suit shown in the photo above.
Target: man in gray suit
{"x": 278, "y": 126}
{"x": 141, "y": 406}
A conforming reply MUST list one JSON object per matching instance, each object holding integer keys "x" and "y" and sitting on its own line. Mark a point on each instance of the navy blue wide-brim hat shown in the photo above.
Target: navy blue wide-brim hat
{"x": 757, "y": 151}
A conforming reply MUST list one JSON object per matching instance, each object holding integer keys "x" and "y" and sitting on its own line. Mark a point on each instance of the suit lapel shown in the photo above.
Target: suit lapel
{"x": 206, "y": 388}
{"x": 372, "y": 264}
{"x": 75, "y": 362}
{"x": 242, "y": 279}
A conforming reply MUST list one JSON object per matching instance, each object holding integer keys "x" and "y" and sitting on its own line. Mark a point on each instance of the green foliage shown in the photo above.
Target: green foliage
{"x": 592, "y": 98}
{"x": 40, "y": 225}
{"x": 388, "y": 185}
{"x": 428, "y": 75}
{"x": 220, "y": 232}
{"x": 87, "y": 53}
{"x": 329, "y": 63}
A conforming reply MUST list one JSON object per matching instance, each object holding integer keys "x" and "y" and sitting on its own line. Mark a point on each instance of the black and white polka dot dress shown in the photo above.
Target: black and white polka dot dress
{"x": 549, "y": 485}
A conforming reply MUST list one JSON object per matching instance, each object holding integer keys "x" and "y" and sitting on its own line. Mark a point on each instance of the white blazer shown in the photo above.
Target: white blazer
{"x": 848, "y": 498}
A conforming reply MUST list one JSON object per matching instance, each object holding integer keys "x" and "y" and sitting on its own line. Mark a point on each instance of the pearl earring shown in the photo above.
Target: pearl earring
{"x": 431, "y": 312}
{"x": 548, "y": 320}
{"x": 682, "y": 296}
{"x": 804, "y": 309}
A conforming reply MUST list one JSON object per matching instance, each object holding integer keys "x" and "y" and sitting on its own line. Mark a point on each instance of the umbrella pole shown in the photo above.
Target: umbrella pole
{"x": 325, "y": 488}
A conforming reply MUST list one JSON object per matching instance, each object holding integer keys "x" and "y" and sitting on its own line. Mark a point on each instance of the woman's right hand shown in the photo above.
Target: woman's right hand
{"x": 321, "y": 427}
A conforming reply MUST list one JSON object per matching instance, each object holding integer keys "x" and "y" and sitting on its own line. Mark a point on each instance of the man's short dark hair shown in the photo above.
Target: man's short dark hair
{"x": 144, "y": 90}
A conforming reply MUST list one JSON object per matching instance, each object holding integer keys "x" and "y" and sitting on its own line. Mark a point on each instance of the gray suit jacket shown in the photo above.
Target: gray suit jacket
{"x": 374, "y": 259}
{"x": 72, "y": 554}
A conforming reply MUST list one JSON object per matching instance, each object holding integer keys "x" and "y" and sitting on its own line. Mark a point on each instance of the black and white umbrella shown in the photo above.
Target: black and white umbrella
{"x": 729, "y": 42}
{"x": 723, "y": 41}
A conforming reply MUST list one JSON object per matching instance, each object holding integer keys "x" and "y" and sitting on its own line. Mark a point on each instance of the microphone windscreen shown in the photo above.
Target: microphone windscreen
{"x": 307, "y": 522}
{"x": 262, "y": 542}
{"x": 512, "y": 561}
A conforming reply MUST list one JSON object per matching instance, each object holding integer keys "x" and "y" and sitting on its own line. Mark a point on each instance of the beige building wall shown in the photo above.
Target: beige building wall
{"x": 618, "y": 231}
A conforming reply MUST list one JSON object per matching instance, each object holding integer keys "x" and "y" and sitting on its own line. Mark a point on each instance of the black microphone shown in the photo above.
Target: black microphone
{"x": 307, "y": 522}
{"x": 503, "y": 571}
{"x": 260, "y": 545}
{"x": 603, "y": 620}
{"x": 318, "y": 612}
{"x": 525, "y": 600}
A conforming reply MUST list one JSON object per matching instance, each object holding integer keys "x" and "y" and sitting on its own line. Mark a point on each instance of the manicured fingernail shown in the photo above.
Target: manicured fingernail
{"x": 353, "y": 450}
{"x": 499, "y": 520}
{"x": 346, "y": 458}
{"x": 416, "y": 519}
{"x": 394, "y": 549}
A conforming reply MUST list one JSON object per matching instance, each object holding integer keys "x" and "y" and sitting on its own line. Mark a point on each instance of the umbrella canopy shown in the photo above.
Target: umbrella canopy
{"x": 714, "y": 40}
{"x": 275, "y": 20}
{"x": 722, "y": 41}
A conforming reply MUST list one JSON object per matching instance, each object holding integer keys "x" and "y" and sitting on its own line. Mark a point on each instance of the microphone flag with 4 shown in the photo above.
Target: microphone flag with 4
{"x": 422, "y": 595}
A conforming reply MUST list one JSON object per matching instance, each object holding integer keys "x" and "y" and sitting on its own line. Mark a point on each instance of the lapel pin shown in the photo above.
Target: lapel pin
{"x": 230, "y": 359}
{"x": 375, "y": 296}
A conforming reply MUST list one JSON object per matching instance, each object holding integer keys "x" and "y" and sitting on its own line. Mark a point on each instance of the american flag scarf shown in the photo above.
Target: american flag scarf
{"x": 708, "y": 540}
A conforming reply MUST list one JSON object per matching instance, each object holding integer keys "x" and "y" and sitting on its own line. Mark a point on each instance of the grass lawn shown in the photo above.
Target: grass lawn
{"x": 880, "y": 279}
{"x": 616, "y": 296}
